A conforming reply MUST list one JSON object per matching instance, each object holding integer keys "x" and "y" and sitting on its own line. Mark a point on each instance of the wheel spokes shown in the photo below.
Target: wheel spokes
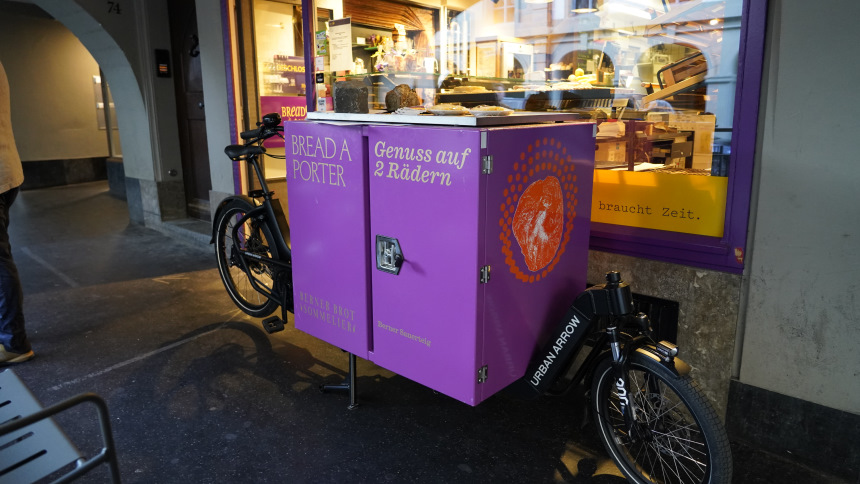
{"x": 249, "y": 239}
{"x": 668, "y": 445}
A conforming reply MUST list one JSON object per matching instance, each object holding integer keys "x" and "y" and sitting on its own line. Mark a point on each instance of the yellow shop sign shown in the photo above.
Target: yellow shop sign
{"x": 678, "y": 203}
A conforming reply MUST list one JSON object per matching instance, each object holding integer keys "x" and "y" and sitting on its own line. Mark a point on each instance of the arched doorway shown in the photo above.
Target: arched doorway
{"x": 119, "y": 40}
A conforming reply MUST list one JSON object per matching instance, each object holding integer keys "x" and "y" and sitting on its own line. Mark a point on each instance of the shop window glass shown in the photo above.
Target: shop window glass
{"x": 657, "y": 77}
{"x": 280, "y": 68}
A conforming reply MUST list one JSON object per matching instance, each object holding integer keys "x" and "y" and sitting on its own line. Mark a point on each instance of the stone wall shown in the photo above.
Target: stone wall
{"x": 707, "y": 321}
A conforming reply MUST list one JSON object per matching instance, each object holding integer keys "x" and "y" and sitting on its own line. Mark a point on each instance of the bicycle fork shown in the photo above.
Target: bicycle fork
{"x": 627, "y": 405}
{"x": 665, "y": 352}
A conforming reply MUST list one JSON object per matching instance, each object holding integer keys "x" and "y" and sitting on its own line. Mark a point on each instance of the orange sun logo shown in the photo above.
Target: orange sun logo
{"x": 539, "y": 208}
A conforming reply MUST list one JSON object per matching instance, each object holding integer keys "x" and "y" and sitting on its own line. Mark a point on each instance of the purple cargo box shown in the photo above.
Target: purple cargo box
{"x": 493, "y": 227}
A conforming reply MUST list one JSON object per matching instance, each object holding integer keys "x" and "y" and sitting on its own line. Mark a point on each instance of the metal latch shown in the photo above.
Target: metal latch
{"x": 485, "y": 274}
{"x": 487, "y": 164}
{"x": 389, "y": 257}
{"x": 482, "y": 374}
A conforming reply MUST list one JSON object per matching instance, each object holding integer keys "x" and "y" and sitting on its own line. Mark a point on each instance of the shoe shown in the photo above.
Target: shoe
{"x": 7, "y": 357}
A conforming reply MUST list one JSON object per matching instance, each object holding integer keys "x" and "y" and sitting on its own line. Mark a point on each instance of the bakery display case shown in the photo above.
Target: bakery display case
{"x": 661, "y": 142}
{"x": 510, "y": 93}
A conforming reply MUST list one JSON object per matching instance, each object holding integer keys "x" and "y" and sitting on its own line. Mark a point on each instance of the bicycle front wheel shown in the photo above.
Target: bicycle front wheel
{"x": 253, "y": 238}
{"x": 677, "y": 437}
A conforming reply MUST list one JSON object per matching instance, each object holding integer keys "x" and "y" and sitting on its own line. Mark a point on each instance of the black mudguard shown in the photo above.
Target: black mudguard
{"x": 220, "y": 208}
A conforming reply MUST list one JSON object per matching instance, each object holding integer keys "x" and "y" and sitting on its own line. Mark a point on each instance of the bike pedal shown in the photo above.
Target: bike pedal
{"x": 273, "y": 324}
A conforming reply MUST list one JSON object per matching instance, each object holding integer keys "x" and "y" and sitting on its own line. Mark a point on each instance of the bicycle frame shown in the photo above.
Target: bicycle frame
{"x": 262, "y": 209}
{"x": 613, "y": 299}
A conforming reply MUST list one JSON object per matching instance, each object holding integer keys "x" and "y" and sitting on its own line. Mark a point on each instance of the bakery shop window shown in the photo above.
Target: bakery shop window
{"x": 657, "y": 77}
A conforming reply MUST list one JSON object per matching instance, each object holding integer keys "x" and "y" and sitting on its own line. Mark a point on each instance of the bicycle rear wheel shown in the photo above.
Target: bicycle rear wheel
{"x": 677, "y": 437}
{"x": 254, "y": 238}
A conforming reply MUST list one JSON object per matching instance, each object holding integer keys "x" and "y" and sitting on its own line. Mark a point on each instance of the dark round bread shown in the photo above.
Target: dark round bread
{"x": 400, "y": 97}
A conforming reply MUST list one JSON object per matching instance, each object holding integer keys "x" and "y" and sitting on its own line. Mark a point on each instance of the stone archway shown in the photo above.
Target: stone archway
{"x": 119, "y": 42}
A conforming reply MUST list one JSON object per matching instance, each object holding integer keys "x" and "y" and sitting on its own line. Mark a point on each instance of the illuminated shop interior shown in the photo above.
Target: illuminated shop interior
{"x": 657, "y": 77}
{"x": 661, "y": 72}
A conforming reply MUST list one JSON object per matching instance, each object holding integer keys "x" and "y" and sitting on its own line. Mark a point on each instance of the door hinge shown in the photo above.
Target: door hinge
{"x": 487, "y": 164}
{"x": 482, "y": 374}
{"x": 485, "y": 274}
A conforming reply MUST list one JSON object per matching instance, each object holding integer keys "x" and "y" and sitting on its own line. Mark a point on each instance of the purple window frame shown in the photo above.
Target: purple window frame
{"x": 726, "y": 253}
{"x": 699, "y": 250}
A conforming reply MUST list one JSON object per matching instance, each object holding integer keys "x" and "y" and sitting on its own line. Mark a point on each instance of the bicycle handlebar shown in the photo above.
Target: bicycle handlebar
{"x": 253, "y": 139}
{"x": 266, "y": 129}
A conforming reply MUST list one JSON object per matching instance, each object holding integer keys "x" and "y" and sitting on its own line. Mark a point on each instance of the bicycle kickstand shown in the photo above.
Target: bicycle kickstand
{"x": 347, "y": 385}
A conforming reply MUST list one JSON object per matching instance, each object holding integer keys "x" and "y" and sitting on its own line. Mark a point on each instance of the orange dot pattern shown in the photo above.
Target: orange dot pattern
{"x": 541, "y": 158}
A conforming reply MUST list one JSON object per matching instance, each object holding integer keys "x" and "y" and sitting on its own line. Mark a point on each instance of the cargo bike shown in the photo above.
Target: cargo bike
{"x": 455, "y": 255}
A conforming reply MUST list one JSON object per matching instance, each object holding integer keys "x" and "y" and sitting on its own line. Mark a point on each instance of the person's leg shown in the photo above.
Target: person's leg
{"x": 12, "y": 334}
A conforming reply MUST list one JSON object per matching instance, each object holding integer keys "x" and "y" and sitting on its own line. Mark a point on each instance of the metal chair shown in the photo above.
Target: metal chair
{"x": 33, "y": 447}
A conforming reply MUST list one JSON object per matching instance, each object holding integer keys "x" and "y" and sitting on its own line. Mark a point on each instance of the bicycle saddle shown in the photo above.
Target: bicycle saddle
{"x": 238, "y": 152}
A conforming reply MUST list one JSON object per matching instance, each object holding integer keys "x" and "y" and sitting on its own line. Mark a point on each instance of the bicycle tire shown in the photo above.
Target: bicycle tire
{"x": 682, "y": 440}
{"x": 257, "y": 239}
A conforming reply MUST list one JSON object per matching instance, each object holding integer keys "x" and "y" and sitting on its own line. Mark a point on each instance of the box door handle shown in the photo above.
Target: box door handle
{"x": 389, "y": 256}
